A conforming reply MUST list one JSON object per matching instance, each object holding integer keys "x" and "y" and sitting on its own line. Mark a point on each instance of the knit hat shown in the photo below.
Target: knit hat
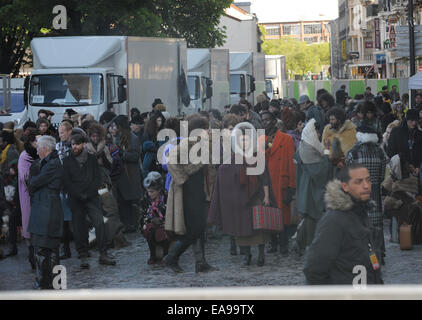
{"x": 412, "y": 114}
{"x": 153, "y": 180}
{"x": 303, "y": 98}
{"x": 156, "y": 101}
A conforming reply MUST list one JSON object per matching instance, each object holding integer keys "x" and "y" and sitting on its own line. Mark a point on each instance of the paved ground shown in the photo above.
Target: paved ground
{"x": 132, "y": 271}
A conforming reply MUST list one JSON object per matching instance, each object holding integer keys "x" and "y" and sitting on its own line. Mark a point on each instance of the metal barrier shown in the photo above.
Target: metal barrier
{"x": 387, "y": 292}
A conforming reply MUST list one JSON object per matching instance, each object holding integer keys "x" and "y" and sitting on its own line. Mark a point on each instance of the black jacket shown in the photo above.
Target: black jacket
{"x": 399, "y": 143}
{"x": 341, "y": 242}
{"x": 81, "y": 183}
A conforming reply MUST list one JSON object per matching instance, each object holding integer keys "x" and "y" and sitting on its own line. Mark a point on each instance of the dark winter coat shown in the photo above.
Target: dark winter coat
{"x": 399, "y": 143}
{"x": 44, "y": 185}
{"x": 341, "y": 242}
{"x": 129, "y": 180}
{"x": 81, "y": 183}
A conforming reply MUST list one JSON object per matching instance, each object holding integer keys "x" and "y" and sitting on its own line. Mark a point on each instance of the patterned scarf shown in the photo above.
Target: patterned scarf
{"x": 154, "y": 207}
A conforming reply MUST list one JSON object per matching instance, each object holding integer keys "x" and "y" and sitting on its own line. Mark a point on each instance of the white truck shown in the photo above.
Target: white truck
{"x": 208, "y": 78}
{"x": 275, "y": 74}
{"x": 247, "y": 76}
{"x": 92, "y": 74}
{"x": 12, "y": 106}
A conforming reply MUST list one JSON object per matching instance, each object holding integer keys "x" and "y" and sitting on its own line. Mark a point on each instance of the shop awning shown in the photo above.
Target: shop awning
{"x": 415, "y": 82}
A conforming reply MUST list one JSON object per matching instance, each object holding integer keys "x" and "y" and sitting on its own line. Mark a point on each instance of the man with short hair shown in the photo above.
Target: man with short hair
{"x": 394, "y": 94}
{"x": 343, "y": 237}
{"x": 368, "y": 96}
{"x": 252, "y": 116}
{"x": 46, "y": 219}
{"x": 341, "y": 95}
{"x": 82, "y": 181}
{"x": 418, "y": 101}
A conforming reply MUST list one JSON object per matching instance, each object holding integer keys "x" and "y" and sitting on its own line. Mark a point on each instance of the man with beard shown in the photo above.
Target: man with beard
{"x": 341, "y": 134}
{"x": 82, "y": 180}
{"x": 343, "y": 237}
{"x": 279, "y": 151}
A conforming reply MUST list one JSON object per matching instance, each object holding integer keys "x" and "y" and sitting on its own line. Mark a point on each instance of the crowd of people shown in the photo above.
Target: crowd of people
{"x": 335, "y": 168}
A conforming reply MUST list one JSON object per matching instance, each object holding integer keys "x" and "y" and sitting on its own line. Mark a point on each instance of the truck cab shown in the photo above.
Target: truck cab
{"x": 200, "y": 90}
{"x": 242, "y": 85}
{"x": 85, "y": 90}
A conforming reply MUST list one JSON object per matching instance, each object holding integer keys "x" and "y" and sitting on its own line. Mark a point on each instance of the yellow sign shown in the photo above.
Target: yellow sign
{"x": 343, "y": 50}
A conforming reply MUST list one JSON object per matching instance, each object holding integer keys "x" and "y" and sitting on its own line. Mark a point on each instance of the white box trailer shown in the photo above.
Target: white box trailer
{"x": 275, "y": 74}
{"x": 92, "y": 74}
{"x": 12, "y": 106}
{"x": 208, "y": 78}
{"x": 247, "y": 76}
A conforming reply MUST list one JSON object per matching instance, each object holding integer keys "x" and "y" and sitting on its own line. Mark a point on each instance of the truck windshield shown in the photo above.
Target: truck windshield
{"x": 66, "y": 90}
{"x": 237, "y": 84}
{"x": 193, "y": 85}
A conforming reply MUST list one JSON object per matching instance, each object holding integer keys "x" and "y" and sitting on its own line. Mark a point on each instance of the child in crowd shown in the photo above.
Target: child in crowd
{"x": 153, "y": 216}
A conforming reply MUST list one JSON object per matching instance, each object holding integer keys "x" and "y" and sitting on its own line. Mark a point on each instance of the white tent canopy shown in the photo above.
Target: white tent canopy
{"x": 415, "y": 82}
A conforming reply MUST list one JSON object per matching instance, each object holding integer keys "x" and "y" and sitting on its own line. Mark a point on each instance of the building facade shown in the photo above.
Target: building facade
{"x": 369, "y": 50}
{"x": 242, "y": 29}
{"x": 308, "y": 31}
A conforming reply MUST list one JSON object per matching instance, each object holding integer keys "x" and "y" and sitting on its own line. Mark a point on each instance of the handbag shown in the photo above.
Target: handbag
{"x": 267, "y": 218}
{"x": 161, "y": 234}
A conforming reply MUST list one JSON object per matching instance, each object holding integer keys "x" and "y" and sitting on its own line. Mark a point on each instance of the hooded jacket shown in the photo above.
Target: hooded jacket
{"x": 341, "y": 241}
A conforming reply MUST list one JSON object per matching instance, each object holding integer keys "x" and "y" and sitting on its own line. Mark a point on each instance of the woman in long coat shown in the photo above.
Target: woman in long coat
{"x": 235, "y": 194}
{"x": 127, "y": 178}
{"x": 26, "y": 159}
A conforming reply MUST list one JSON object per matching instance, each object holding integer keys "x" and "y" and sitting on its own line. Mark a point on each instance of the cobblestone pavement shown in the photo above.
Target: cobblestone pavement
{"x": 132, "y": 271}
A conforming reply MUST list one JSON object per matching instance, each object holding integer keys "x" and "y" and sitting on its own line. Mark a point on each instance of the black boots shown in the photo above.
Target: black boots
{"x": 261, "y": 255}
{"x": 233, "y": 247}
{"x": 31, "y": 257}
{"x": 201, "y": 264}
{"x": 106, "y": 259}
{"x": 66, "y": 253}
{"x": 45, "y": 259}
{"x": 172, "y": 258}
{"x": 248, "y": 256}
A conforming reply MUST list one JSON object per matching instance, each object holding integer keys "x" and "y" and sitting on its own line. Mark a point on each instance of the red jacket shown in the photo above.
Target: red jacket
{"x": 282, "y": 169}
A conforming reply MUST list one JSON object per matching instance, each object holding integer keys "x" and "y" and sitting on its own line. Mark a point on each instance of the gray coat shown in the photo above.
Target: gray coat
{"x": 45, "y": 184}
{"x": 341, "y": 241}
{"x": 129, "y": 181}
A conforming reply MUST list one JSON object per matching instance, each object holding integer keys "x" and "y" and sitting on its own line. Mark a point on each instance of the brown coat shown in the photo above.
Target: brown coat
{"x": 180, "y": 173}
{"x": 346, "y": 135}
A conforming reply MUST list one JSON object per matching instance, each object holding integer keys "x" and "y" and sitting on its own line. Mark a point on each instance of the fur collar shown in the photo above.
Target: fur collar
{"x": 367, "y": 137}
{"x": 336, "y": 198}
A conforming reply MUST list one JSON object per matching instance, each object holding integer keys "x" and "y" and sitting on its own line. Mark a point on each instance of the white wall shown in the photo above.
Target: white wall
{"x": 241, "y": 35}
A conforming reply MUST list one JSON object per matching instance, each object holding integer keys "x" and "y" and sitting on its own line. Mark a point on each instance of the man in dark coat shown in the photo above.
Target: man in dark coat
{"x": 343, "y": 237}
{"x": 82, "y": 180}
{"x": 407, "y": 140}
{"x": 46, "y": 220}
{"x": 341, "y": 95}
{"x": 367, "y": 152}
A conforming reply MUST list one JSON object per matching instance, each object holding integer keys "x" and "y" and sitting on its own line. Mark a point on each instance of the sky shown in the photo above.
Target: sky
{"x": 293, "y": 10}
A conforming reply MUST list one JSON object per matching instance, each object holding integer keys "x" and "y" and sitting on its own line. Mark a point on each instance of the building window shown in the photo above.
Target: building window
{"x": 273, "y": 31}
{"x": 312, "y": 28}
{"x": 291, "y": 29}
{"x": 311, "y": 39}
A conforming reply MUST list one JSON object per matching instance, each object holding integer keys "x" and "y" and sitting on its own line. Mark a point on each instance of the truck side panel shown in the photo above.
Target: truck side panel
{"x": 220, "y": 75}
{"x": 153, "y": 70}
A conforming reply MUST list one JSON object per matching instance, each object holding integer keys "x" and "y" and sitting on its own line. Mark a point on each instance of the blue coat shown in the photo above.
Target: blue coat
{"x": 45, "y": 184}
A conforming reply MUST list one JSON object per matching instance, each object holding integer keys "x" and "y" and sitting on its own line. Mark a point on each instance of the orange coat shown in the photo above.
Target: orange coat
{"x": 282, "y": 169}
